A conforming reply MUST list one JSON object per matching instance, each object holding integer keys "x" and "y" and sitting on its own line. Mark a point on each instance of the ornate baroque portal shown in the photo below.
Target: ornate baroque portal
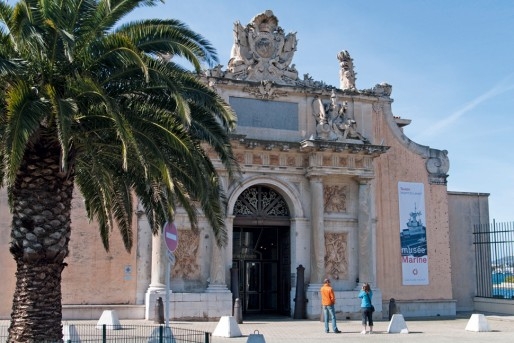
{"x": 259, "y": 205}
{"x": 261, "y": 251}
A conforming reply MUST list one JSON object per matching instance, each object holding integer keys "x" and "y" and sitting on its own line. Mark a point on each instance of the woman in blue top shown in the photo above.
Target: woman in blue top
{"x": 367, "y": 313}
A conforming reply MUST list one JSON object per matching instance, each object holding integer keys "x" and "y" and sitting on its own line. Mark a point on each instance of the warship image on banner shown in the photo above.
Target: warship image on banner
{"x": 413, "y": 238}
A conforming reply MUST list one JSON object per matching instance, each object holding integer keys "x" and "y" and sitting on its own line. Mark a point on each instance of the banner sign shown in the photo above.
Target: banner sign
{"x": 413, "y": 234}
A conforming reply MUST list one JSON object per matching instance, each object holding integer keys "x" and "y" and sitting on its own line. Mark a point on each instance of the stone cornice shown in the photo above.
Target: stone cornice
{"x": 310, "y": 145}
{"x": 252, "y": 143}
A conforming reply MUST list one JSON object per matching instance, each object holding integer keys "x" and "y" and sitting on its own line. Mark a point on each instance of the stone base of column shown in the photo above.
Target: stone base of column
{"x": 217, "y": 288}
{"x": 151, "y": 296}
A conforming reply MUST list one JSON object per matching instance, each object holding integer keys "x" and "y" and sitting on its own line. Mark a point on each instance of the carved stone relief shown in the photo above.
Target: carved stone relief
{"x": 186, "y": 266}
{"x": 266, "y": 91}
{"x": 336, "y": 258}
{"x": 335, "y": 198}
{"x": 240, "y": 158}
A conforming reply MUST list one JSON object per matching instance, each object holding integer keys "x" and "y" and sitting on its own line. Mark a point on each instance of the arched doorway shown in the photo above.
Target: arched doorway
{"x": 262, "y": 251}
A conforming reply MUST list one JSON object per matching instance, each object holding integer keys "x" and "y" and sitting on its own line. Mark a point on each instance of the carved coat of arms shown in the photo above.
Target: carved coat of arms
{"x": 262, "y": 51}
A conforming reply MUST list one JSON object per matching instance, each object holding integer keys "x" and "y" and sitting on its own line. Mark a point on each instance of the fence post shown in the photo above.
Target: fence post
{"x": 161, "y": 334}
{"x": 207, "y": 335}
{"x": 104, "y": 333}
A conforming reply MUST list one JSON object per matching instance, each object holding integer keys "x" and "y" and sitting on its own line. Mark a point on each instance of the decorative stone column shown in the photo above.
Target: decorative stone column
{"x": 313, "y": 306}
{"x": 219, "y": 265}
{"x": 217, "y": 277}
{"x": 366, "y": 235}
{"x": 157, "y": 286}
{"x": 217, "y": 301}
{"x": 318, "y": 230}
{"x": 229, "y": 249}
{"x": 159, "y": 264}
{"x": 301, "y": 245}
{"x": 144, "y": 260}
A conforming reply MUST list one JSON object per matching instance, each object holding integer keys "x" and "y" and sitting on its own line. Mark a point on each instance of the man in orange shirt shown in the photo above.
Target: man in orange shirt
{"x": 328, "y": 299}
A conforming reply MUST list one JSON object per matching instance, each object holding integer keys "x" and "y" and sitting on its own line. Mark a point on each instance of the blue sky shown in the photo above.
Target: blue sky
{"x": 451, "y": 65}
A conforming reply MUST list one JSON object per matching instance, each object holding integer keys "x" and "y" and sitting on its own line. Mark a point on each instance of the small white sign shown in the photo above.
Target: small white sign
{"x": 171, "y": 256}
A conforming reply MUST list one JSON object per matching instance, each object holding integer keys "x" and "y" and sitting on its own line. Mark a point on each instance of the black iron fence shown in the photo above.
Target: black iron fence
{"x": 74, "y": 333}
{"x": 494, "y": 254}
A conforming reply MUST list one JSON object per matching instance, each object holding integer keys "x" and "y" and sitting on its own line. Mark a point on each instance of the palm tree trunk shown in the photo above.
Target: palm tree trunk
{"x": 36, "y": 313}
{"x": 40, "y": 233}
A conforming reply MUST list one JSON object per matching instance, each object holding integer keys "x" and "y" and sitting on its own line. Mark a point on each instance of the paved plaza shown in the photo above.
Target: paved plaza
{"x": 440, "y": 330}
{"x": 287, "y": 330}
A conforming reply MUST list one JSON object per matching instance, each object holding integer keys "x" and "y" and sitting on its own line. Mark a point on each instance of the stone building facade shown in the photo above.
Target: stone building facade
{"x": 318, "y": 197}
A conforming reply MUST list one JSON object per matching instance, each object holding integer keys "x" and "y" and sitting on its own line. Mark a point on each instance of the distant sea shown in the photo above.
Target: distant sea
{"x": 498, "y": 278}
{"x": 502, "y": 289}
{"x": 506, "y": 293}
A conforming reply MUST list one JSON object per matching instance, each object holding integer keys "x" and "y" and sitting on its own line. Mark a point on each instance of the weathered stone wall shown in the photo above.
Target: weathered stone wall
{"x": 93, "y": 276}
{"x": 405, "y": 162}
{"x": 7, "y": 264}
{"x": 465, "y": 210}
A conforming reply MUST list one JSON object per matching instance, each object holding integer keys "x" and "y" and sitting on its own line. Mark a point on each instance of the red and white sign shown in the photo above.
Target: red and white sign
{"x": 170, "y": 236}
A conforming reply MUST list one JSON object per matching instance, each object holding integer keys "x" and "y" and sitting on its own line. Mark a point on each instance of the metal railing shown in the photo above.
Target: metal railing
{"x": 494, "y": 255}
{"x": 127, "y": 333}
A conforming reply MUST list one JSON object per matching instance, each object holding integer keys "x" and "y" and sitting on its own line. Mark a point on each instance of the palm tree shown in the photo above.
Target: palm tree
{"x": 86, "y": 101}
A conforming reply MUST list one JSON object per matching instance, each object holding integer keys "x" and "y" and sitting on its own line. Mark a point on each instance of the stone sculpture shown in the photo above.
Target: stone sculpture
{"x": 261, "y": 51}
{"x": 333, "y": 122}
{"x": 346, "y": 72}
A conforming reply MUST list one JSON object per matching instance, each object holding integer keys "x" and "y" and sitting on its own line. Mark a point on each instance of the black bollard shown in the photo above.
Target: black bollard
{"x": 392, "y": 308}
{"x": 159, "y": 311}
{"x": 234, "y": 286}
{"x": 300, "y": 299}
{"x": 238, "y": 312}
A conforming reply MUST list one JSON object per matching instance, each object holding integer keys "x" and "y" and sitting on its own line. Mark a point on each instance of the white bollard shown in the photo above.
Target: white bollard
{"x": 70, "y": 333}
{"x": 110, "y": 319}
{"x": 478, "y": 323}
{"x": 227, "y": 327}
{"x": 167, "y": 335}
{"x": 397, "y": 324}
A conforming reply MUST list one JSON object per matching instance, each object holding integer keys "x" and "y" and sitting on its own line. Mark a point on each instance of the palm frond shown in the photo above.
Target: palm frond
{"x": 170, "y": 37}
{"x": 25, "y": 113}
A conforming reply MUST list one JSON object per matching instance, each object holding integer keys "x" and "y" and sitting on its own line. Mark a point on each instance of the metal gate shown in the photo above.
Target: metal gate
{"x": 494, "y": 254}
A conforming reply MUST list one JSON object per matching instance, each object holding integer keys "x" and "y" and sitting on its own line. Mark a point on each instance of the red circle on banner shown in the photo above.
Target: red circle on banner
{"x": 170, "y": 236}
